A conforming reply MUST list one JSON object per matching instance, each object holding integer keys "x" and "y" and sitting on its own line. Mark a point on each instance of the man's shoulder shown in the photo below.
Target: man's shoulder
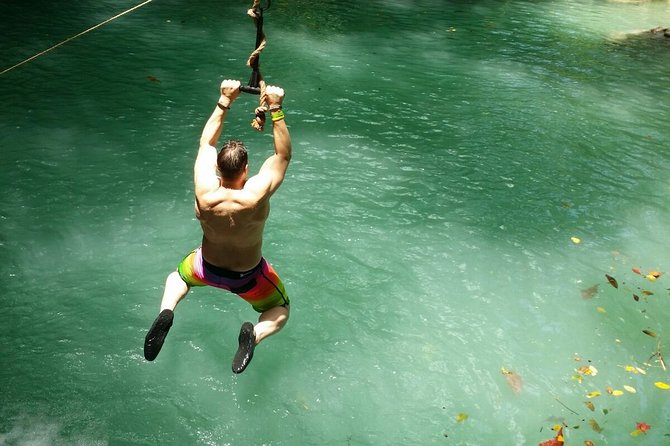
{"x": 223, "y": 198}
{"x": 258, "y": 185}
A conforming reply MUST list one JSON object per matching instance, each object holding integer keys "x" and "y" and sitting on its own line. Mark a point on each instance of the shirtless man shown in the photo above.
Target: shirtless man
{"x": 232, "y": 210}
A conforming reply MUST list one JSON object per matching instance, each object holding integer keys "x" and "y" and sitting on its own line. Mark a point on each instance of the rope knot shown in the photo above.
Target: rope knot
{"x": 259, "y": 120}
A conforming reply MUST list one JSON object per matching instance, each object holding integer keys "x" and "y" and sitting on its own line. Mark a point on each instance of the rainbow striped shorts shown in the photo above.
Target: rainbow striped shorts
{"x": 260, "y": 286}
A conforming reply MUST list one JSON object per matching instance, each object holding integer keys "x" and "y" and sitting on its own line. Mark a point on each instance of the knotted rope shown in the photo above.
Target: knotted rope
{"x": 253, "y": 62}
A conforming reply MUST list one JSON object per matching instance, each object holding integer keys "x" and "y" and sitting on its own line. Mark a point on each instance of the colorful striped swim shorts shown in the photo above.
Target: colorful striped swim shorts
{"x": 260, "y": 286}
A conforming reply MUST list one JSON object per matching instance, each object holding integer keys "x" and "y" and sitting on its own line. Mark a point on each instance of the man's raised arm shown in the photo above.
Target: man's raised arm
{"x": 205, "y": 174}
{"x": 272, "y": 172}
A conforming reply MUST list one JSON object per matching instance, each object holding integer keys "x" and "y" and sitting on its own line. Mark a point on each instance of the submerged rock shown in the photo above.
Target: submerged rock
{"x": 654, "y": 33}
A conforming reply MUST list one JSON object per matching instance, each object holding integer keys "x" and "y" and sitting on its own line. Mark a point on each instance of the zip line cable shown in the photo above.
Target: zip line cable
{"x": 74, "y": 37}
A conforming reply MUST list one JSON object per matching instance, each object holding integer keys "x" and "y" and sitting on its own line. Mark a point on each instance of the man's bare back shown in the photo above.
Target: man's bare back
{"x": 232, "y": 229}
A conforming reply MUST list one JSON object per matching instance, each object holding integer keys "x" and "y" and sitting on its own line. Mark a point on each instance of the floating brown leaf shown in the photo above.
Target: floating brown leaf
{"x": 612, "y": 281}
{"x": 590, "y": 405}
{"x": 588, "y": 293}
{"x": 514, "y": 380}
{"x": 595, "y": 426}
{"x": 649, "y": 333}
{"x": 636, "y": 297}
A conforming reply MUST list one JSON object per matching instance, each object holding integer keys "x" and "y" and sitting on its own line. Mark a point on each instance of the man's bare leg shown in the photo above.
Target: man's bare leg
{"x": 175, "y": 290}
{"x": 269, "y": 323}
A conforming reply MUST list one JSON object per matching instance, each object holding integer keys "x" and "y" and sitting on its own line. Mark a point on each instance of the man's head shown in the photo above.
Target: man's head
{"x": 232, "y": 160}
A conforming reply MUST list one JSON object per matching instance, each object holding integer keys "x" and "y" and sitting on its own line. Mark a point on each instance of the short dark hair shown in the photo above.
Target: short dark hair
{"x": 232, "y": 159}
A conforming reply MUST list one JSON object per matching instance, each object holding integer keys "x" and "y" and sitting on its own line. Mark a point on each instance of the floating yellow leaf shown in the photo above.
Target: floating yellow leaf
{"x": 575, "y": 240}
{"x": 631, "y": 369}
{"x": 593, "y": 394}
{"x": 662, "y": 385}
{"x": 630, "y": 389}
{"x": 590, "y": 405}
{"x": 651, "y": 277}
{"x": 617, "y": 392}
{"x": 588, "y": 370}
{"x": 601, "y": 310}
{"x": 461, "y": 417}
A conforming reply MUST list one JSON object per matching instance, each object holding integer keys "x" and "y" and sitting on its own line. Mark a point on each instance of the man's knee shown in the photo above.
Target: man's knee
{"x": 279, "y": 315}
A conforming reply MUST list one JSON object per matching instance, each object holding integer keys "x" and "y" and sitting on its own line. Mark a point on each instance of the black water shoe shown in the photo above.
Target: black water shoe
{"x": 245, "y": 351}
{"x": 154, "y": 340}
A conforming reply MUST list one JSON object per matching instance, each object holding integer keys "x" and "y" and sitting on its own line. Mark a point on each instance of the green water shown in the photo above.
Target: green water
{"x": 444, "y": 155}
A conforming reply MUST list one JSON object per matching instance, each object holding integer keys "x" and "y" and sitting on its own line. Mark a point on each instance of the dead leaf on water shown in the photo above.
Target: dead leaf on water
{"x": 612, "y": 281}
{"x": 649, "y": 333}
{"x": 588, "y": 370}
{"x": 595, "y": 426}
{"x": 513, "y": 379}
{"x": 461, "y": 417}
{"x": 588, "y": 293}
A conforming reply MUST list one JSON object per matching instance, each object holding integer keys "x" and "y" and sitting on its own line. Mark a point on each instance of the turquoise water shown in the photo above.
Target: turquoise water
{"x": 445, "y": 153}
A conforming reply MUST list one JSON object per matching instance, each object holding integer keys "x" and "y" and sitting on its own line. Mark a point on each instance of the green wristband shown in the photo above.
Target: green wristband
{"x": 278, "y": 115}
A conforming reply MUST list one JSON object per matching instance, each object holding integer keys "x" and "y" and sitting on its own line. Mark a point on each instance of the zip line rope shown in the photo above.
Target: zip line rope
{"x": 256, "y": 82}
{"x": 74, "y": 37}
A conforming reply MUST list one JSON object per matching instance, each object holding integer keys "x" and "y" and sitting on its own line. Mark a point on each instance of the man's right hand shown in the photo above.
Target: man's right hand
{"x": 230, "y": 90}
{"x": 274, "y": 96}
